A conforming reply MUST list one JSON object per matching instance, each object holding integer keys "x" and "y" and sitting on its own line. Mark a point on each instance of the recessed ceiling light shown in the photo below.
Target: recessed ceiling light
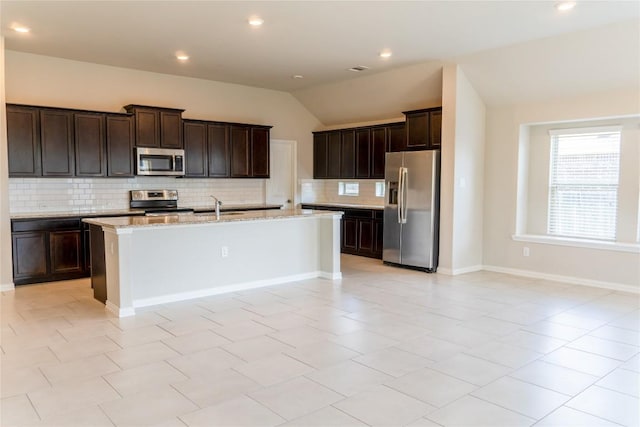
{"x": 297, "y": 76}
{"x": 385, "y": 54}
{"x": 563, "y": 6}
{"x": 181, "y": 56}
{"x": 358, "y": 68}
{"x": 256, "y": 21}
{"x": 20, "y": 28}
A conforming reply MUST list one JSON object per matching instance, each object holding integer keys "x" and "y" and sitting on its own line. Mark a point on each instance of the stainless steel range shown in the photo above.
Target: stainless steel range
{"x": 157, "y": 202}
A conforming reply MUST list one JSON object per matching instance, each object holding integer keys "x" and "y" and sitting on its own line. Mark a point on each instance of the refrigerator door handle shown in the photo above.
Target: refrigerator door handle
{"x": 400, "y": 196}
{"x": 402, "y": 204}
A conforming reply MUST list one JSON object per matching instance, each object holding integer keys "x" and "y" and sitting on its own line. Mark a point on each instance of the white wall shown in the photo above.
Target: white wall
{"x": 370, "y": 97}
{"x": 42, "y": 80}
{"x": 461, "y": 198}
{"x": 591, "y": 266}
{"x": 6, "y": 269}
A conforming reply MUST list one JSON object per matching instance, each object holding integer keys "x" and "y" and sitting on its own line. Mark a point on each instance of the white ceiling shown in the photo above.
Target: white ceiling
{"x": 317, "y": 39}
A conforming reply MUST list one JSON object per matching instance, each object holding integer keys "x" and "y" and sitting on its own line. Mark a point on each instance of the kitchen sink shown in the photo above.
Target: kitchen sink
{"x": 221, "y": 213}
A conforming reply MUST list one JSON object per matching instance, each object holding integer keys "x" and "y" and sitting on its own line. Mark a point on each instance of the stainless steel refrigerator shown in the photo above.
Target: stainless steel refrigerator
{"x": 412, "y": 209}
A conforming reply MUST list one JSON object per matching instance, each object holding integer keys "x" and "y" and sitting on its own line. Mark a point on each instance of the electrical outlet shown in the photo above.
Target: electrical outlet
{"x": 525, "y": 251}
{"x": 224, "y": 252}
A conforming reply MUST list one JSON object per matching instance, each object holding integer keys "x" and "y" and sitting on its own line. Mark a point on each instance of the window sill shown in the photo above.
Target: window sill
{"x": 578, "y": 243}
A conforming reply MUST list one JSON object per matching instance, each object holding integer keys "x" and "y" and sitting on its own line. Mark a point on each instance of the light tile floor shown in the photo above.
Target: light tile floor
{"x": 383, "y": 346}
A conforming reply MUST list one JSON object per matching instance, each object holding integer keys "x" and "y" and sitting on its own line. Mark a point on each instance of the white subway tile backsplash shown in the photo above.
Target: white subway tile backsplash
{"x": 326, "y": 191}
{"x": 27, "y": 195}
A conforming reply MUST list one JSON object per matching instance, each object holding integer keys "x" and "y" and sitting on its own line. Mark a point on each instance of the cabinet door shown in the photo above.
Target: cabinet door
{"x": 435, "y": 128}
{"x": 363, "y": 153}
{"x": 119, "y": 146}
{"x": 366, "y": 236}
{"x": 320, "y": 155}
{"x": 378, "y": 236}
{"x": 378, "y": 150}
{"x": 66, "y": 252}
{"x": 260, "y": 153}
{"x": 56, "y": 136}
{"x": 29, "y": 256}
{"x": 240, "y": 152}
{"x": 170, "y": 129}
{"x": 349, "y": 235}
{"x": 147, "y": 128}
{"x": 23, "y": 141}
{"x": 90, "y": 144}
{"x": 348, "y": 154}
{"x": 334, "y": 148}
{"x": 417, "y": 130}
{"x": 397, "y": 137}
{"x": 218, "y": 140}
{"x": 195, "y": 149}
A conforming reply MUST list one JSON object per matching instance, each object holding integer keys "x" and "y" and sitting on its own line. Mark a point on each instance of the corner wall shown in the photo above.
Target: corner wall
{"x": 6, "y": 269}
{"x": 608, "y": 268}
{"x": 462, "y": 176}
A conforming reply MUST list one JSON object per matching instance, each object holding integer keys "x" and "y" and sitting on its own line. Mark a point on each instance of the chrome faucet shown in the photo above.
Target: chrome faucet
{"x": 218, "y": 204}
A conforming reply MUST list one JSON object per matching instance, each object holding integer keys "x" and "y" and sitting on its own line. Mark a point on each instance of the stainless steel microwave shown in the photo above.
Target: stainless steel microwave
{"x": 159, "y": 161}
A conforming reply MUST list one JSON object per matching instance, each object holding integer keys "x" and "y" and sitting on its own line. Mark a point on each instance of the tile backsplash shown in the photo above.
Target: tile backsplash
{"x": 326, "y": 191}
{"x": 28, "y": 195}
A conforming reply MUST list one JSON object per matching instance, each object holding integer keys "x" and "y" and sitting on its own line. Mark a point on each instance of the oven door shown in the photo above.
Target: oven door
{"x": 158, "y": 161}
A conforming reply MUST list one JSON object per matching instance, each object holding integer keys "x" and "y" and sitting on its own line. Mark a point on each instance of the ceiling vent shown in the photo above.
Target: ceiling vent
{"x": 358, "y": 68}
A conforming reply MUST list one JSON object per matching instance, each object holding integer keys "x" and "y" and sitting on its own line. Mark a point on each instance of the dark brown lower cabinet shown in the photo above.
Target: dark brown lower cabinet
{"x": 361, "y": 231}
{"x": 67, "y": 255}
{"x": 48, "y": 249}
{"x": 29, "y": 256}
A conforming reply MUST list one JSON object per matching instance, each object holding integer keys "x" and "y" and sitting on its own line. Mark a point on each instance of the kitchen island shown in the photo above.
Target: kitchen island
{"x": 155, "y": 260}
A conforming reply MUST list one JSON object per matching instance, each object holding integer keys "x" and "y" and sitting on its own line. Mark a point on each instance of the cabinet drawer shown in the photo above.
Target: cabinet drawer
{"x": 52, "y": 224}
{"x": 358, "y": 213}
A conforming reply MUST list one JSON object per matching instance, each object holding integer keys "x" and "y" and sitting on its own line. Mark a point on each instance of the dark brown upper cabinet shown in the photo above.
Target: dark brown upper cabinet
{"x": 355, "y": 153}
{"x": 156, "y": 126}
{"x": 195, "y": 149}
{"x": 320, "y": 155}
{"x": 435, "y": 128}
{"x": 259, "y": 152}
{"x": 219, "y": 153}
{"x": 379, "y": 147}
{"x": 363, "y": 153}
{"x": 423, "y": 128}
{"x": 23, "y": 140}
{"x": 240, "y": 156}
{"x": 119, "y": 145}
{"x": 348, "y": 154}
{"x": 90, "y": 138}
{"x": 56, "y": 138}
{"x": 397, "y": 137}
{"x": 249, "y": 151}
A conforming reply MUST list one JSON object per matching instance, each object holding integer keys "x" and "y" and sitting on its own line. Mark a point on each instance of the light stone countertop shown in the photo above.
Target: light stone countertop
{"x": 344, "y": 205}
{"x": 195, "y": 219}
{"x": 122, "y": 212}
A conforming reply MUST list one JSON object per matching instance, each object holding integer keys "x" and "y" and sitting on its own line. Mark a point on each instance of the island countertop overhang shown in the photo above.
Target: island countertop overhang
{"x": 134, "y": 222}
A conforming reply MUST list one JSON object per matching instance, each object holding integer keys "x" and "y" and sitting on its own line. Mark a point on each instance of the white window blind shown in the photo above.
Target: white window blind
{"x": 583, "y": 183}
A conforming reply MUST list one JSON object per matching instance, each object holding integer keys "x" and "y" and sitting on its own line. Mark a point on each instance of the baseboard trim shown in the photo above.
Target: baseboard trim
{"x": 457, "y": 271}
{"x": 120, "y": 312}
{"x": 181, "y": 296}
{"x": 564, "y": 279}
{"x": 330, "y": 276}
{"x": 7, "y": 287}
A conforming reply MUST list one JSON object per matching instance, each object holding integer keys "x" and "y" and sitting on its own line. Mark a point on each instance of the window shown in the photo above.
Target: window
{"x": 583, "y": 183}
{"x": 380, "y": 189}
{"x": 348, "y": 188}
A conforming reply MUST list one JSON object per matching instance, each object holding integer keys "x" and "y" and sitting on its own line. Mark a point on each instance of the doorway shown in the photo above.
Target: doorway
{"x": 281, "y": 186}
